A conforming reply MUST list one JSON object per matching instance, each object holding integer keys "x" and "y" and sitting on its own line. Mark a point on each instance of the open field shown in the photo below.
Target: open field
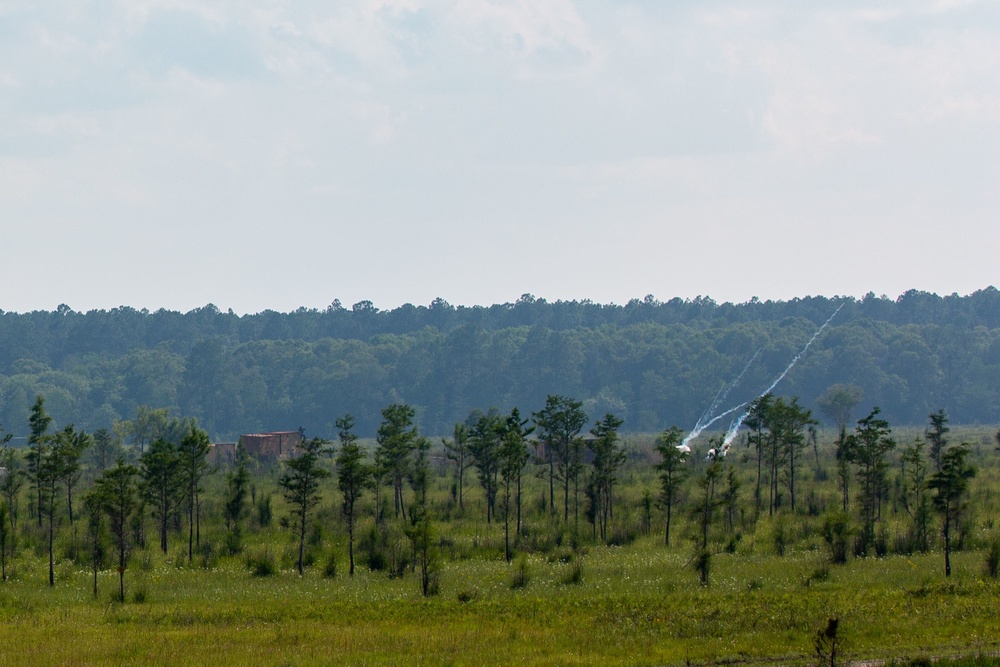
{"x": 636, "y": 605}
{"x": 581, "y": 602}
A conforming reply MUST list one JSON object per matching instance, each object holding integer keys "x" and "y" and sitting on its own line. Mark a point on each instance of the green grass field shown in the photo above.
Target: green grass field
{"x": 635, "y": 605}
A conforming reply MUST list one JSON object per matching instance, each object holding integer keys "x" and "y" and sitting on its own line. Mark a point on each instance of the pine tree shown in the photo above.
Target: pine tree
{"x": 162, "y": 484}
{"x": 512, "y": 458}
{"x": 300, "y": 482}
{"x": 609, "y": 457}
{"x": 396, "y": 441}
{"x": 936, "y": 435}
{"x": 117, "y": 495}
{"x": 353, "y": 477}
{"x": 485, "y": 442}
{"x": 950, "y": 485}
{"x": 457, "y": 451}
{"x": 870, "y": 445}
{"x": 235, "y": 508}
{"x": 192, "y": 460}
{"x": 38, "y": 442}
{"x": 673, "y": 471}
{"x": 559, "y": 424}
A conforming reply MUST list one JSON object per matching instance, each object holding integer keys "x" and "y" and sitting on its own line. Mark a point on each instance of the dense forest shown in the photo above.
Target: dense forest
{"x": 652, "y": 363}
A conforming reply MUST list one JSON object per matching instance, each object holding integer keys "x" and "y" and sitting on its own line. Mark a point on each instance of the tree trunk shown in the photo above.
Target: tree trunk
{"x": 506, "y": 521}
{"x": 518, "y": 502}
{"x": 576, "y": 504}
{"x": 52, "y": 572}
{"x": 191, "y": 530}
{"x": 760, "y": 460}
{"x": 791, "y": 476}
{"x": 566, "y": 498}
{"x": 350, "y": 542}
{"x": 947, "y": 542}
{"x": 667, "y": 532}
{"x": 552, "y": 485}
{"x": 197, "y": 520}
{"x": 302, "y": 540}
{"x": 164, "y": 521}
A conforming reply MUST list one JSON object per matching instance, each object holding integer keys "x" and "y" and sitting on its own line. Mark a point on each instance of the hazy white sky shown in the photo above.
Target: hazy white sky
{"x": 267, "y": 154}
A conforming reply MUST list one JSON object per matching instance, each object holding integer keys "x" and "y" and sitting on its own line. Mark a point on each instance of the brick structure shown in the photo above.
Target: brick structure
{"x": 274, "y": 446}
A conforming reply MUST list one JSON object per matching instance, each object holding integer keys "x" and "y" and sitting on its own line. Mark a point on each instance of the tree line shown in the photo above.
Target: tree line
{"x": 53, "y": 336}
{"x": 651, "y": 363}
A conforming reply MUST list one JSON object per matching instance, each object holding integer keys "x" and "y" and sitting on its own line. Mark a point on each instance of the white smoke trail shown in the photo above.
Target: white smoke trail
{"x": 708, "y": 411}
{"x": 701, "y": 424}
{"x": 723, "y": 393}
{"x": 695, "y": 432}
{"x": 735, "y": 426}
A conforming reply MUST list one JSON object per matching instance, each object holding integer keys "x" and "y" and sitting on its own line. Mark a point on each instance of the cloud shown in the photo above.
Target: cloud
{"x": 407, "y": 134}
{"x": 170, "y": 38}
{"x": 543, "y": 33}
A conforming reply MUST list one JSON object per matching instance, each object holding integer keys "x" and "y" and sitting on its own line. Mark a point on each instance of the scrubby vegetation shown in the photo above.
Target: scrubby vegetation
{"x": 552, "y": 551}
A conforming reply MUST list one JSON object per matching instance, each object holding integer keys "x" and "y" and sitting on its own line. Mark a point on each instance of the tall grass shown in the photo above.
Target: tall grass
{"x": 564, "y": 600}
{"x": 640, "y": 604}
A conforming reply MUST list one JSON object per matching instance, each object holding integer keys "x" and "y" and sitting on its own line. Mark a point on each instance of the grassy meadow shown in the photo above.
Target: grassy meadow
{"x": 561, "y": 601}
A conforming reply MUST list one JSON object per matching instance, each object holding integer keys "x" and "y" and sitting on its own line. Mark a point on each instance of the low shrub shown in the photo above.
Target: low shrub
{"x": 262, "y": 563}
{"x": 837, "y": 531}
{"x": 234, "y": 542}
{"x": 992, "y": 560}
{"x": 209, "y": 555}
{"x": 574, "y": 575}
{"x": 781, "y": 536}
{"x": 521, "y": 574}
{"x": 264, "y": 513}
{"x": 330, "y": 567}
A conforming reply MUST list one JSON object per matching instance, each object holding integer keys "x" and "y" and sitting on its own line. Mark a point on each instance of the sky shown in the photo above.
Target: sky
{"x": 272, "y": 155}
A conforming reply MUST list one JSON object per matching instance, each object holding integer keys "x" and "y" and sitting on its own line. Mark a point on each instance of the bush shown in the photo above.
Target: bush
{"x": 575, "y": 574}
{"x": 234, "y": 542}
{"x": 781, "y": 536}
{"x": 315, "y": 535}
{"x": 330, "y": 568}
{"x": 837, "y": 531}
{"x": 262, "y": 564}
{"x": 703, "y": 565}
{"x": 827, "y": 644}
{"x": 881, "y": 541}
{"x": 622, "y": 535}
{"x": 146, "y": 562}
{"x": 375, "y": 560}
{"x": 562, "y": 555}
{"x": 381, "y": 550}
{"x": 433, "y": 586}
{"x": 992, "y": 560}
{"x": 521, "y": 574}
{"x": 264, "y": 513}
{"x": 821, "y": 573}
{"x": 209, "y": 555}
